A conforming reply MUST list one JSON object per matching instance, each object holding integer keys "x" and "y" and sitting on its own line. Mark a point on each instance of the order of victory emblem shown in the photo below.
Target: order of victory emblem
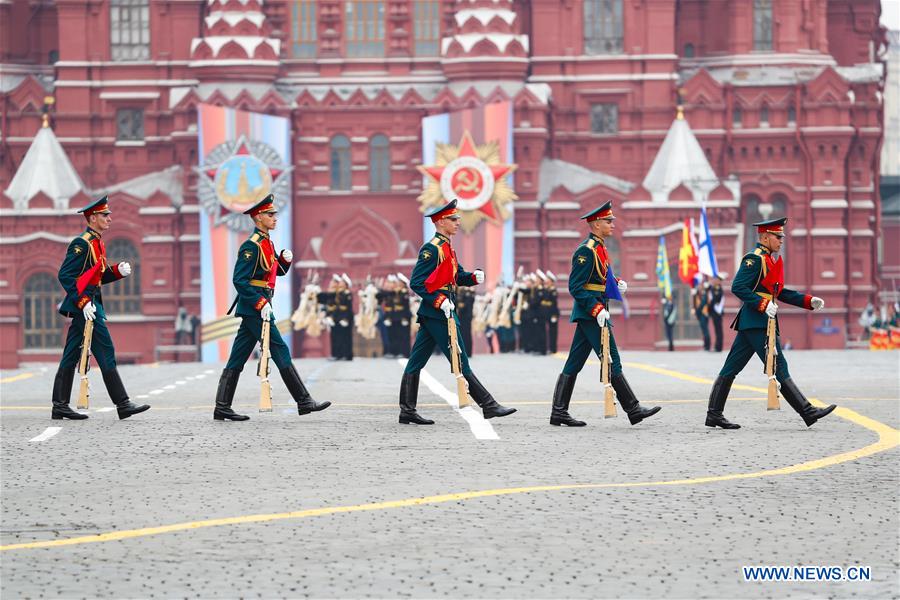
{"x": 475, "y": 176}
{"x": 237, "y": 174}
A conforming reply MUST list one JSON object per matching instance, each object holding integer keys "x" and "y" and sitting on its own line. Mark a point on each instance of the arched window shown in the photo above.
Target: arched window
{"x": 689, "y": 51}
{"x": 792, "y": 115}
{"x": 756, "y": 210}
{"x": 43, "y": 325}
{"x": 340, "y": 163}
{"x": 123, "y": 297}
{"x": 426, "y": 27}
{"x": 764, "y": 116}
{"x": 737, "y": 116}
{"x": 379, "y": 164}
{"x": 602, "y": 26}
{"x": 762, "y": 24}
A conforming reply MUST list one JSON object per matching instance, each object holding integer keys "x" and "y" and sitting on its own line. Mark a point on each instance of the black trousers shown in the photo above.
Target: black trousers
{"x": 717, "y": 327}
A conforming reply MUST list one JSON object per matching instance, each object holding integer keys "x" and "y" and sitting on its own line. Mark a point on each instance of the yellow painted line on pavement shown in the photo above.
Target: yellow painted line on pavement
{"x": 888, "y": 438}
{"x": 18, "y": 377}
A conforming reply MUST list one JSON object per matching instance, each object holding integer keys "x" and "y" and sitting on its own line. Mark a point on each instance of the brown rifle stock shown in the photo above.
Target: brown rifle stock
{"x": 609, "y": 406}
{"x": 84, "y": 389}
{"x": 462, "y": 388}
{"x": 265, "y": 388}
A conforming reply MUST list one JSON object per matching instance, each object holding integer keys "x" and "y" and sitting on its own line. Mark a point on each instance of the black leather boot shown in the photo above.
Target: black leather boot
{"x": 717, "y": 397}
{"x": 62, "y": 391}
{"x": 489, "y": 407}
{"x": 561, "y": 397}
{"x": 225, "y": 395}
{"x": 629, "y": 402}
{"x": 119, "y": 396}
{"x": 798, "y": 402}
{"x": 305, "y": 403}
{"x": 409, "y": 395}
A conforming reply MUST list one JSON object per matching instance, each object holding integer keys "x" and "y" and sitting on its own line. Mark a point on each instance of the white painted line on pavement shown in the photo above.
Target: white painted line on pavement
{"x": 106, "y": 409}
{"x": 480, "y": 427}
{"x": 155, "y": 392}
{"x": 169, "y": 387}
{"x": 48, "y": 433}
{"x": 209, "y": 371}
{"x": 142, "y": 396}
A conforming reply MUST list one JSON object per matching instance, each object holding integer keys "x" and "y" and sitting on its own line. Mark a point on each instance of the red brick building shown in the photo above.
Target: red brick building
{"x": 783, "y": 98}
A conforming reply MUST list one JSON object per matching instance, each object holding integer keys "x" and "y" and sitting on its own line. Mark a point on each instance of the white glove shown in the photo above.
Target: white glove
{"x": 265, "y": 312}
{"x": 771, "y": 309}
{"x": 479, "y": 276}
{"x": 447, "y": 306}
{"x": 602, "y": 317}
{"x": 817, "y": 303}
{"x": 90, "y": 311}
{"x": 623, "y": 287}
{"x": 124, "y": 269}
{"x": 387, "y": 322}
{"x": 344, "y": 322}
{"x": 287, "y": 255}
{"x": 329, "y": 321}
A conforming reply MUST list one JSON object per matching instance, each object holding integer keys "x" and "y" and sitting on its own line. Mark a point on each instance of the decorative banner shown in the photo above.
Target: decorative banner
{"x": 244, "y": 157}
{"x": 468, "y": 155}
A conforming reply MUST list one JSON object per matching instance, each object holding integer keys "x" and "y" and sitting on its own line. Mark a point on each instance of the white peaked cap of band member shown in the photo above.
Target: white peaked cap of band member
{"x": 403, "y": 278}
{"x": 392, "y": 277}
{"x": 335, "y": 277}
{"x": 346, "y": 279}
{"x": 541, "y": 274}
{"x": 551, "y": 275}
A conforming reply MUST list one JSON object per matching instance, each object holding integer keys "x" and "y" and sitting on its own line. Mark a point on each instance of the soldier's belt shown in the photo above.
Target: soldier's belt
{"x": 764, "y": 295}
{"x": 595, "y": 287}
{"x": 259, "y": 283}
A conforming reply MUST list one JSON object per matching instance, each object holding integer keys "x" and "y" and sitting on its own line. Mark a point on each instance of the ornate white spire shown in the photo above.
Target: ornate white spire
{"x": 680, "y": 160}
{"x": 46, "y": 168}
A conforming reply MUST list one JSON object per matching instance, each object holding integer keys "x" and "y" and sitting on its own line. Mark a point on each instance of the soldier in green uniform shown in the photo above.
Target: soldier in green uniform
{"x": 755, "y": 284}
{"x": 255, "y": 271}
{"x": 434, "y": 278}
{"x": 587, "y": 284}
{"x": 84, "y": 271}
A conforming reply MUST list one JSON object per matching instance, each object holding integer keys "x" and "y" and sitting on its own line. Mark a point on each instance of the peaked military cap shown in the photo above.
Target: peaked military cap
{"x": 602, "y": 212}
{"x": 775, "y": 226}
{"x": 447, "y": 210}
{"x": 267, "y": 204}
{"x": 100, "y": 205}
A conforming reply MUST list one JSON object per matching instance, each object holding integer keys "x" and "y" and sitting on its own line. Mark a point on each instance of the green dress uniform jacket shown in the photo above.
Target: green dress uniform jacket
{"x": 251, "y": 271}
{"x": 587, "y": 280}
{"x": 430, "y": 255}
{"x": 81, "y": 256}
{"x": 750, "y": 288}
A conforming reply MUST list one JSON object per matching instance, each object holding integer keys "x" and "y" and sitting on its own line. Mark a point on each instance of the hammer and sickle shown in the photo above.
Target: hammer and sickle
{"x": 465, "y": 181}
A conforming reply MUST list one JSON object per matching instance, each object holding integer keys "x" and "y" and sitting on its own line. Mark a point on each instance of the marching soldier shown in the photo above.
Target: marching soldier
{"x": 716, "y": 309}
{"x": 385, "y": 299}
{"x": 435, "y": 280}
{"x": 587, "y": 284}
{"x": 84, "y": 270}
{"x": 757, "y": 278}
{"x": 701, "y": 311}
{"x": 552, "y": 311}
{"x": 403, "y": 315}
{"x": 344, "y": 318}
{"x": 255, "y": 271}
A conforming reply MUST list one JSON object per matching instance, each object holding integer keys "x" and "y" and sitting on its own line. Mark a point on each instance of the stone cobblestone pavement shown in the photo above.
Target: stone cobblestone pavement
{"x": 665, "y": 514}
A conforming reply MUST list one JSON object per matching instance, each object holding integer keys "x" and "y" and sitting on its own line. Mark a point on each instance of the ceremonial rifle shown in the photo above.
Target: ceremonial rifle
{"x": 609, "y": 406}
{"x": 462, "y": 387}
{"x": 771, "y": 350}
{"x": 265, "y": 388}
{"x": 84, "y": 390}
